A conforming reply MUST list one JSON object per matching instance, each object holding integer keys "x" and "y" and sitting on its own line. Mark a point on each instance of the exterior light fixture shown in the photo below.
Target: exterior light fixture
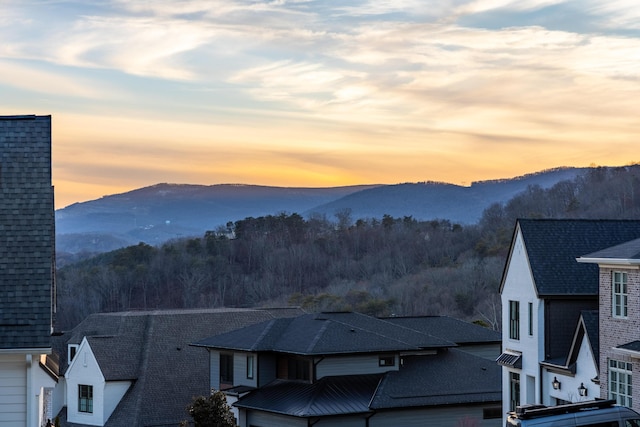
{"x": 556, "y": 384}
{"x": 582, "y": 390}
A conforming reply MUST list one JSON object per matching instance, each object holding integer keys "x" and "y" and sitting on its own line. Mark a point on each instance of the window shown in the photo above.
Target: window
{"x": 632, "y": 423}
{"x": 85, "y": 398}
{"x": 250, "y": 367}
{"x": 299, "y": 369}
{"x": 530, "y": 319}
{"x": 514, "y": 320}
{"x": 386, "y": 361}
{"x": 514, "y": 381}
{"x": 619, "y": 288}
{"x": 620, "y": 387}
{"x": 73, "y": 349}
{"x": 226, "y": 368}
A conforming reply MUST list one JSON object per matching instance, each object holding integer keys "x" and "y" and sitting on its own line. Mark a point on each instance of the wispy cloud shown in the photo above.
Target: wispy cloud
{"x": 297, "y": 80}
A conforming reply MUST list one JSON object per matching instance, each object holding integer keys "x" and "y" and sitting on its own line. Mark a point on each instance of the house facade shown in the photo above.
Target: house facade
{"x": 348, "y": 369}
{"x": 27, "y": 292}
{"x": 544, "y": 292}
{"x": 619, "y": 279}
{"x": 134, "y": 369}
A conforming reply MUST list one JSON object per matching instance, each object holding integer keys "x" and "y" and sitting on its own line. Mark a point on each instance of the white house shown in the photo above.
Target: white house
{"x": 544, "y": 290}
{"x": 135, "y": 369}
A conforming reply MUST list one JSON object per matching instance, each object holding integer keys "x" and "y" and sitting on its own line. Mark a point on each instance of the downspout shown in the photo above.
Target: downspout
{"x": 366, "y": 420}
{"x": 541, "y": 382}
{"x": 29, "y": 374}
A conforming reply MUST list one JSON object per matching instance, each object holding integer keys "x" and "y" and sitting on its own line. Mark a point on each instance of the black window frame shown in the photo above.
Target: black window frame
{"x": 514, "y": 320}
{"x": 85, "y": 398}
{"x": 226, "y": 368}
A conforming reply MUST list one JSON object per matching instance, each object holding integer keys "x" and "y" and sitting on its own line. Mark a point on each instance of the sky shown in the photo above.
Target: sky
{"x": 321, "y": 93}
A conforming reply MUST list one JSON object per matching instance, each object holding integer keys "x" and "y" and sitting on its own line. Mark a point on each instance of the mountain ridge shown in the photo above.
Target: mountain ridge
{"x": 163, "y": 211}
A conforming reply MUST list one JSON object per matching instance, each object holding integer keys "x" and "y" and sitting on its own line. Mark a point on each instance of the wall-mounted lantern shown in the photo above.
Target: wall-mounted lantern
{"x": 582, "y": 390}
{"x": 556, "y": 384}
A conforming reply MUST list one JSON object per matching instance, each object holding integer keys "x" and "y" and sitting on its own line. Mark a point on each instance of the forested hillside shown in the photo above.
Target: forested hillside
{"x": 390, "y": 265}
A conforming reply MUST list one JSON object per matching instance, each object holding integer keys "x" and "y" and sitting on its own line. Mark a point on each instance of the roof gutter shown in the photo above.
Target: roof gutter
{"x": 610, "y": 261}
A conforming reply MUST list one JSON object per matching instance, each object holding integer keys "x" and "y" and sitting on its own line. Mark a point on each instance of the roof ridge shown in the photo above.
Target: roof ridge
{"x": 316, "y": 339}
{"x": 378, "y": 334}
{"x": 271, "y": 324}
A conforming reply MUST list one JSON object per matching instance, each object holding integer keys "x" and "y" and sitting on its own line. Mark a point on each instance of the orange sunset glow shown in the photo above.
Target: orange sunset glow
{"x": 319, "y": 94}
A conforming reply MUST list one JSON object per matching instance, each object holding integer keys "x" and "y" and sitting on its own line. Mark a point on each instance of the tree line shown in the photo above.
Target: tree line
{"x": 378, "y": 266}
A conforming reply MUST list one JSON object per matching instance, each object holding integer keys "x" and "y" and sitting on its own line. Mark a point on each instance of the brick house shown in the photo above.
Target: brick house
{"x": 619, "y": 324}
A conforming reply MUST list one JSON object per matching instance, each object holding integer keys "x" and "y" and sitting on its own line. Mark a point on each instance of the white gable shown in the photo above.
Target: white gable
{"x": 518, "y": 286}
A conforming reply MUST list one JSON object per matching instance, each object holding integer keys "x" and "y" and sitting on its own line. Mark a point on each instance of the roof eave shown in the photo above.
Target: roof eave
{"x": 610, "y": 261}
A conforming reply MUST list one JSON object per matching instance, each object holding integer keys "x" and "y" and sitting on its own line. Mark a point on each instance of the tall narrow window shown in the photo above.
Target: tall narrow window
{"x": 620, "y": 387}
{"x": 226, "y": 368}
{"x": 85, "y": 398}
{"x": 250, "y": 366}
{"x": 514, "y": 320}
{"x": 514, "y": 393}
{"x": 619, "y": 287}
{"x": 530, "y": 319}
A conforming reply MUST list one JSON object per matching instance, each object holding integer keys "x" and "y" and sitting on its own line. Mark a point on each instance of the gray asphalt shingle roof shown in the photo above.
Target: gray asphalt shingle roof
{"x": 152, "y": 348}
{"x": 451, "y": 377}
{"x": 591, "y": 325}
{"x": 455, "y": 330}
{"x": 626, "y": 251}
{"x": 26, "y": 232}
{"x": 326, "y": 333}
{"x": 554, "y": 244}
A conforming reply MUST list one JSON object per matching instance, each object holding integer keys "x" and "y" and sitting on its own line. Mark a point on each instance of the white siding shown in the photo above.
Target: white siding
{"x": 113, "y": 392}
{"x": 586, "y": 370}
{"x": 352, "y": 365}
{"x": 85, "y": 370}
{"x": 13, "y": 391}
{"x": 519, "y": 286}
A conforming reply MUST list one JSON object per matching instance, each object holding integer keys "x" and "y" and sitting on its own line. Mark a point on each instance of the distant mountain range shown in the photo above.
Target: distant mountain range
{"x": 162, "y": 212}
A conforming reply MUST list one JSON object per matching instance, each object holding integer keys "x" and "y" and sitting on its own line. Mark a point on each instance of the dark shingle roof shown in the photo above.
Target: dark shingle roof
{"x": 329, "y": 396}
{"x": 458, "y": 331}
{"x": 452, "y": 377}
{"x": 624, "y": 251}
{"x": 326, "y": 333}
{"x": 152, "y": 348}
{"x": 26, "y": 232}
{"x": 554, "y": 244}
{"x": 591, "y": 325}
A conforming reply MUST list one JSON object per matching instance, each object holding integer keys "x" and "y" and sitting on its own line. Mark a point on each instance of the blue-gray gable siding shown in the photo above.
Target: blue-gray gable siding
{"x": 26, "y": 232}
{"x": 561, "y": 318}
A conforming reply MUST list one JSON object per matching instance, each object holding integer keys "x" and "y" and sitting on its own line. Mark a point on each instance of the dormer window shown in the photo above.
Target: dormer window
{"x": 72, "y": 350}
